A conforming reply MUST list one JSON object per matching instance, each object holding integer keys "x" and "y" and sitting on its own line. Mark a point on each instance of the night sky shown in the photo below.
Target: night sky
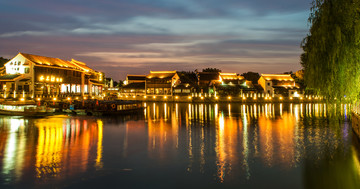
{"x": 135, "y": 36}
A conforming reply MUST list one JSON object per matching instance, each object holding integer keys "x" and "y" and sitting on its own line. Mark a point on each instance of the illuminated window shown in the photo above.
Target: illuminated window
{"x": 78, "y": 89}
{"x": 86, "y": 89}
{"x": 63, "y": 88}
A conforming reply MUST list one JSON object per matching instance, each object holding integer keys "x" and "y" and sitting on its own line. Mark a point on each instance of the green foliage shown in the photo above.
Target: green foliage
{"x": 211, "y": 70}
{"x": 119, "y": 84}
{"x": 251, "y": 76}
{"x": 3, "y": 61}
{"x": 332, "y": 49}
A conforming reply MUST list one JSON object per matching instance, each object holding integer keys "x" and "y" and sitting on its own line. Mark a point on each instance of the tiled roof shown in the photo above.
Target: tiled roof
{"x": 231, "y": 76}
{"x": 43, "y": 60}
{"x": 161, "y": 74}
{"x": 140, "y": 85}
{"x": 9, "y": 76}
{"x": 277, "y": 77}
{"x": 136, "y": 77}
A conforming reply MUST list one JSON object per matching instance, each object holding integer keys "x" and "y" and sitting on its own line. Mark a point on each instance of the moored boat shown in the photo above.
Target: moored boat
{"x": 105, "y": 108}
{"x": 24, "y": 109}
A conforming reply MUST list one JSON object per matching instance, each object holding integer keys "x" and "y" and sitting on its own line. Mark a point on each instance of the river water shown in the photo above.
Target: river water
{"x": 184, "y": 146}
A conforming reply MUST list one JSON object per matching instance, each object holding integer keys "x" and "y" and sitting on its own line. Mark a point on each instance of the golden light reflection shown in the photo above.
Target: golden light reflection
{"x": 99, "y": 163}
{"x": 220, "y": 148}
{"x": 277, "y": 140}
{"x": 14, "y": 150}
{"x": 64, "y": 145}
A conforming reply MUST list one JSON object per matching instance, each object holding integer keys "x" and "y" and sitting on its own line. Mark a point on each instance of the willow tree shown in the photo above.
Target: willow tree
{"x": 331, "y": 57}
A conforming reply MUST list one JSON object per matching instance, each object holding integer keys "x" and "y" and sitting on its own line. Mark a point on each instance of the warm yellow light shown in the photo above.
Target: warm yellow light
{"x": 176, "y": 97}
{"x": 133, "y": 96}
{"x": 216, "y": 97}
{"x": 189, "y": 97}
{"x": 145, "y": 96}
{"x": 281, "y": 98}
{"x": 22, "y": 99}
{"x": 92, "y": 97}
{"x": 54, "y": 99}
{"x": 254, "y": 97}
{"x": 266, "y": 98}
{"x": 77, "y": 98}
{"x": 301, "y": 98}
{"x": 41, "y": 78}
{"x": 309, "y": 98}
{"x": 38, "y": 99}
{"x": 165, "y": 97}
{"x": 84, "y": 97}
{"x": 291, "y": 98}
{"x": 68, "y": 98}
{"x": 126, "y": 96}
{"x": 244, "y": 98}
{"x": 229, "y": 97}
{"x": 270, "y": 98}
{"x": 154, "y": 96}
{"x": 202, "y": 98}
{"x": 60, "y": 79}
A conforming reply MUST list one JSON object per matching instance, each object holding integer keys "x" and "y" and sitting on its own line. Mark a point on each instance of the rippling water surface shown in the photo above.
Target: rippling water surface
{"x": 184, "y": 146}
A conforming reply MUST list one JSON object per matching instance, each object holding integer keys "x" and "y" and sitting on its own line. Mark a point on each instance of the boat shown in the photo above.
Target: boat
{"x": 28, "y": 109}
{"x": 104, "y": 108}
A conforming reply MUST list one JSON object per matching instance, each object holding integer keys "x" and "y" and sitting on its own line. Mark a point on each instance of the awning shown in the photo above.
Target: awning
{"x": 9, "y": 77}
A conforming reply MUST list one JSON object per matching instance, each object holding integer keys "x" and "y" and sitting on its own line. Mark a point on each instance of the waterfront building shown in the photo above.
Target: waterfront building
{"x": 187, "y": 84}
{"x": 133, "y": 89}
{"x": 134, "y": 79}
{"x": 207, "y": 82}
{"x": 233, "y": 84}
{"x": 34, "y": 76}
{"x": 134, "y": 85}
{"x": 109, "y": 83}
{"x": 279, "y": 85}
{"x": 161, "y": 82}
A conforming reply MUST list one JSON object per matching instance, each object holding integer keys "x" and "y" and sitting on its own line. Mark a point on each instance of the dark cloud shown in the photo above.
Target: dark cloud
{"x": 122, "y": 36}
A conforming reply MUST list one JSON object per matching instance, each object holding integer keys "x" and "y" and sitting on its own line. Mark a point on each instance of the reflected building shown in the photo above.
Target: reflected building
{"x": 62, "y": 147}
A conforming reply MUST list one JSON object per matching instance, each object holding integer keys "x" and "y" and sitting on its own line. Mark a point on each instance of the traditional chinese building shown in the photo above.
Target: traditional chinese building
{"x": 45, "y": 77}
{"x": 279, "y": 85}
{"x": 161, "y": 82}
{"x": 135, "y": 79}
{"x": 233, "y": 84}
{"x": 207, "y": 82}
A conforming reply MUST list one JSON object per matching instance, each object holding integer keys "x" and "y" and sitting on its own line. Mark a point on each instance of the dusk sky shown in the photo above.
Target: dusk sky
{"x": 135, "y": 36}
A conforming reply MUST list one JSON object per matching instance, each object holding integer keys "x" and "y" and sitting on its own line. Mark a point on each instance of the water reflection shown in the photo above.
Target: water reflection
{"x": 281, "y": 135}
{"x": 53, "y": 147}
{"x": 228, "y": 143}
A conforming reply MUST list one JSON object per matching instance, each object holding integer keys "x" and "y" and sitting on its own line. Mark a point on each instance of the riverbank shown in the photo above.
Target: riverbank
{"x": 355, "y": 122}
{"x": 228, "y": 99}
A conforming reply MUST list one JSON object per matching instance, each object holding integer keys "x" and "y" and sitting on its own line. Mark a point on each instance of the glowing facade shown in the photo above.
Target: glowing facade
{"x": 279, "y": 85}
{"x": 161, "y": 82}
{"x": 39, "y": 76}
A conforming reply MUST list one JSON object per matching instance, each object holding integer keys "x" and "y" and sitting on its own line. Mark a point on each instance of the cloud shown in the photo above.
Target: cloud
{"x": 136, "y": 36}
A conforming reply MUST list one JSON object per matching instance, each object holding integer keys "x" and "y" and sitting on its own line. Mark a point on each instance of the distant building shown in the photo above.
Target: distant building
{"x": 187, "y": 84}
{"x": 134, "y": 79}
{"x": 133, "y": 89}
{"x": 279, "y": 85}
{"x": 161, "y": 82}
{"x": 29, "y": 75}
{"x": 207, "y": 82}
{"x": 233, "y": 84}
{"x": 109, "y": 83}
